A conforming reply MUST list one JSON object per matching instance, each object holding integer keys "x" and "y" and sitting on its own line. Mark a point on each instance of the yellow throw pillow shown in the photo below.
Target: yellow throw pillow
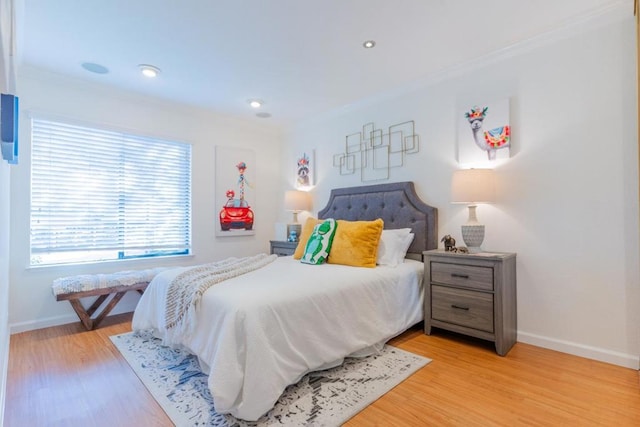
{"x": 307, "y": 229}
{"x": 356, "y": 243}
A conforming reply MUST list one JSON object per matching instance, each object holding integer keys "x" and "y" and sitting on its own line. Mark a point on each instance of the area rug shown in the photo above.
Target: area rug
{"x": 322, "y": 398}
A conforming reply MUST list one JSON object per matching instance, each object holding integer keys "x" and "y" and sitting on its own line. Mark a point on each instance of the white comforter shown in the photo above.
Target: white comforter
{"x": 260, "y": 332}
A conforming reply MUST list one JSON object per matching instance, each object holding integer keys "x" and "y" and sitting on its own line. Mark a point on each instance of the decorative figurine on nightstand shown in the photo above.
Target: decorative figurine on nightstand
{"x": 449, "y": 243}
{"x": 293, "y": 236}
{"x": 460, "y": 250}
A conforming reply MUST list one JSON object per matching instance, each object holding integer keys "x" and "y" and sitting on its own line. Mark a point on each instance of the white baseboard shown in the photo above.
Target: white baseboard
{"x": 32, "y": 325}
{"x": 603, "y": 355}
{"x": 126, "y": 305}
{"x": 71, "y": 317}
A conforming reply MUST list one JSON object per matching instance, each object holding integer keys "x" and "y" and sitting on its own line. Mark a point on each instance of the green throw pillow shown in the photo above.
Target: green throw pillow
{"x": 319, "y": 243}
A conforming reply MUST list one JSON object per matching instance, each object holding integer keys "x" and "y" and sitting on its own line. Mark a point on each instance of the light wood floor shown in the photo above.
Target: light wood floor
{"x": 65, "y": 376}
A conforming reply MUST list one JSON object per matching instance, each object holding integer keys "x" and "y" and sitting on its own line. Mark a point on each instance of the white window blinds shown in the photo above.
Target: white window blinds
{"x": 101, "y": 195}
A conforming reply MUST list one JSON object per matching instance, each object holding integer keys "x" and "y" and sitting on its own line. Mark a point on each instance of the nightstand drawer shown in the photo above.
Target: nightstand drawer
{"x": 281, "y": 251}
{"x": 282, "y": 248}
{"x": 469, "y": 276}
{"x": 461, "y": 307}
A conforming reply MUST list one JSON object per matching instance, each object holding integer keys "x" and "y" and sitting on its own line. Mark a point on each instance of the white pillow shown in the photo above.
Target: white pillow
{"x": 393, "y": 246}
{"x": 407, "y": 242}
{"x": 397, "y": 231}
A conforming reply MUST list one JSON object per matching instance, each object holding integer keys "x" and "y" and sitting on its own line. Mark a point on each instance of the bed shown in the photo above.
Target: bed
{"x": 257, "y": 333}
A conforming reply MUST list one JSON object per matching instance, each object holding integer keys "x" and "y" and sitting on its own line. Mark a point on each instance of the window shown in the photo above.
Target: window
{"x": 100, "y": 195}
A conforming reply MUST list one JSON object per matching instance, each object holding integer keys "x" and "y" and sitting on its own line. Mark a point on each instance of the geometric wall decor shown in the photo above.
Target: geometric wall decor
{"x": 373, "y": 152}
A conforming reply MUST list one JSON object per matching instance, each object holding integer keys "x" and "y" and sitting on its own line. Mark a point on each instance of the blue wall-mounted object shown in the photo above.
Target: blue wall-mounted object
{"x": 9, "y": 127}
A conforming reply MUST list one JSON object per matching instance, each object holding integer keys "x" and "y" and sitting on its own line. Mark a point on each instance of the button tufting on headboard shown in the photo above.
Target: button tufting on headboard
{"x": 397, "y": 204}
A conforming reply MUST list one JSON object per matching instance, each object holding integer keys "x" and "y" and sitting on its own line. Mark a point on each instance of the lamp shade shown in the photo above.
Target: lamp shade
{"x": 297, "y": 201}
{"x": 473, "y": 186}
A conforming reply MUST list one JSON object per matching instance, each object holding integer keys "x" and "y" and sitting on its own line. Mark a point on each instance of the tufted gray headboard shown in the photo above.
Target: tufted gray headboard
{"x": 397, "y": 204}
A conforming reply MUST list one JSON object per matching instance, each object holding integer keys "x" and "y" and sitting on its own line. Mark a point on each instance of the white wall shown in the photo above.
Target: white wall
{"x": 567, "y": 198}
{"x": 32, "y": 303}
{"x": 4, "y": 281}
{"x": 7, "y": 85}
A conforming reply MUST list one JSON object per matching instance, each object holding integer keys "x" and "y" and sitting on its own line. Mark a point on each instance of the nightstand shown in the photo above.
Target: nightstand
{"x": 283, "y": 248}
{"x": 472, "y": 294}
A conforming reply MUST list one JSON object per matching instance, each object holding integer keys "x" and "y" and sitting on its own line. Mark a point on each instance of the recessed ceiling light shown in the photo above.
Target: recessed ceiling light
{"x": 95, "y": 68}
{"x": 149, "y": 70}
{"x": 255, "y": 103}
{"x": 369, "y": 44}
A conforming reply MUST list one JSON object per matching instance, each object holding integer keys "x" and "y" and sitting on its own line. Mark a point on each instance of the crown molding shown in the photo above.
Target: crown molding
{"x": 612, "y": 13}
{"x": 597, "y": 18}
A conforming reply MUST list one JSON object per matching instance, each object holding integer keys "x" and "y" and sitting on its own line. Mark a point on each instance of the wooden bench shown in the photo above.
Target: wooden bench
{"x": 102, "y": 293}
{"x": 103, "y": 286}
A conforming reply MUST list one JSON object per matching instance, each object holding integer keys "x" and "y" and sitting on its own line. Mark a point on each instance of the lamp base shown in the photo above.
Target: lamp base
{"x": 473, "y": 235}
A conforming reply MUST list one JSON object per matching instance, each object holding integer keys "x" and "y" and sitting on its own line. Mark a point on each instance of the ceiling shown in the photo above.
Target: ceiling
{"x": 302, "y": 57}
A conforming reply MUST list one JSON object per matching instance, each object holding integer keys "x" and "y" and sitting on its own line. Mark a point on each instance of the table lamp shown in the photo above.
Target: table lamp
{"x": 296, "y": 201}
{"x": 473, "y": 186}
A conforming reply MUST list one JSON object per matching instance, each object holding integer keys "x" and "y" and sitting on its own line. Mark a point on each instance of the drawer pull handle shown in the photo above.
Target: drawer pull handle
{"x": 459, "y": 307}
{"x": 462, "y": 276}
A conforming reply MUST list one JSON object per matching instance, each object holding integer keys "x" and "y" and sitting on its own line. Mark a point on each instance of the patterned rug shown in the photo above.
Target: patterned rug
{"x": 323, "y": 398}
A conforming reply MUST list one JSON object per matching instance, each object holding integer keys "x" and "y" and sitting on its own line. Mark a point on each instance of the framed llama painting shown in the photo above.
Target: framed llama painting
{"x": 484, "y": 133}
{"x": 235, "y": 188}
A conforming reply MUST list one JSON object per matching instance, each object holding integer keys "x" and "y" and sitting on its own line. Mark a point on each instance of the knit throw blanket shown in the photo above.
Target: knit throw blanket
{"x": 186, "y": 290}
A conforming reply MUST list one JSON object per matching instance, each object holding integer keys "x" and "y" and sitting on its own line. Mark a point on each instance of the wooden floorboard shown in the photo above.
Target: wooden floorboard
{"x": 67, "y": 376}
